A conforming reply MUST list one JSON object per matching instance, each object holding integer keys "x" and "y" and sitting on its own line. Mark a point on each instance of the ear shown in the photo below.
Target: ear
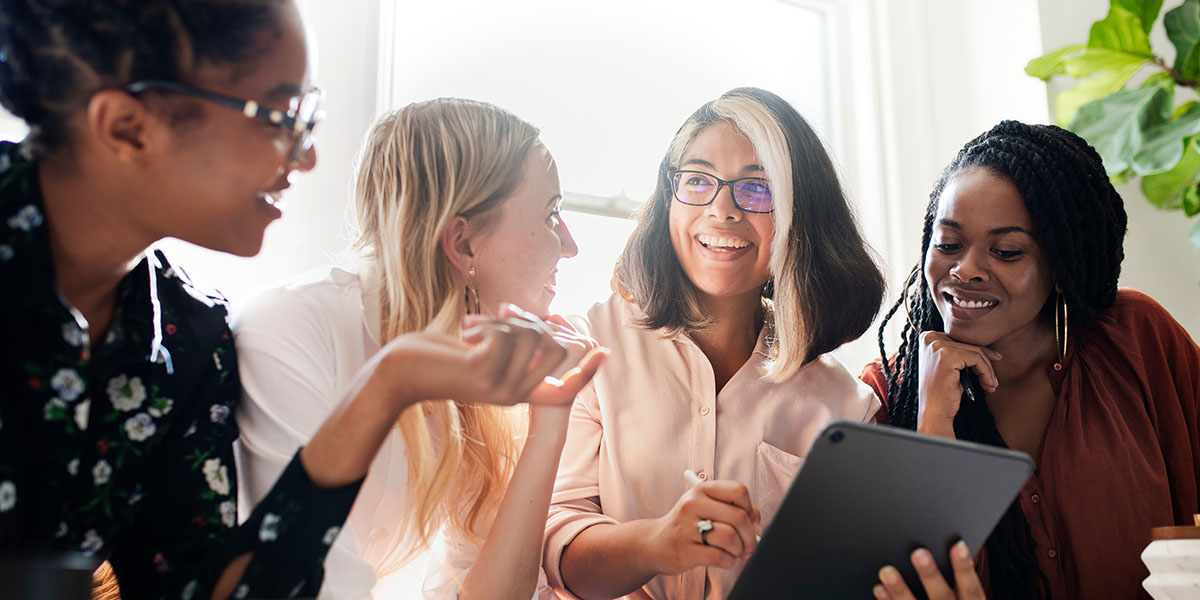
{"x": 123, "y": 126}
{"x": 456, "y": 244}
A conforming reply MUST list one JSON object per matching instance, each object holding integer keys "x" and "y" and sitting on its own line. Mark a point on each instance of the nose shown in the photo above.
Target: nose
{"x": 307, "y": 160}
{"x": 723, "y": 208}
{"x": 971, "y": 265}
{"x": 566, "y": 241}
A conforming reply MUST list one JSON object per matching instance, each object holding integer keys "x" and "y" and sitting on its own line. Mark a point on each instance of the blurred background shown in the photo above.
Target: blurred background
{"x": 894, "y": 87}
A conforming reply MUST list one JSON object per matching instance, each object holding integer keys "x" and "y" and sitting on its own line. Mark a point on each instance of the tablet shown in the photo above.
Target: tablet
{"x": 868, "y": 495}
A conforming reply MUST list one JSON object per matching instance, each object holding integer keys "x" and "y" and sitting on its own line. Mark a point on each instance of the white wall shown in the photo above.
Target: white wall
{"x": 1159, "y": 260}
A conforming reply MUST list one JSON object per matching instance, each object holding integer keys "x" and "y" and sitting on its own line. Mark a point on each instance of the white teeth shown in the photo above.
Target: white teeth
{"x": 552, "y": 283}
{"x": 713, "y": 241}
{"x": 971, "y": 303}
{"x": 273, "y": 198}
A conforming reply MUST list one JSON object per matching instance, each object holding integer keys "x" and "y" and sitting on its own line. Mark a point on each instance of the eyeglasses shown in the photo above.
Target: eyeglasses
{"x": 697, "y": 188}
{"x": 298, "y": 120}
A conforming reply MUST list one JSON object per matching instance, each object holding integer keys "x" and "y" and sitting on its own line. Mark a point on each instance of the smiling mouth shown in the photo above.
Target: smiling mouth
{"x": 718, "y": 243}
{"x": 274, "y": 198}
{"x": 963, "y": 303}
{"x": 551, "y": 283}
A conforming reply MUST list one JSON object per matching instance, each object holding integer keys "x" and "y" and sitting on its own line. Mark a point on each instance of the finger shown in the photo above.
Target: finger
{"x": 489, "y": 358}
{"x": 549, "y": 353}
{"x": 709, "y": 556}
{"x": 931, "y": 578}
{"x": 966, "y": 580}
{"x": 558, "y": 392}
{"x": 730, "y": 514}
{"x": 726, "y": 538}
{"x": 730, "y": 492}
{"x": 983, "y": 368}
{"x": 524, "y": 344}
{"x": 893, "y": 584}
{"x": 992, "y": 354}
{"x": 881, "y": 592}
{"x": 512, "y": 311}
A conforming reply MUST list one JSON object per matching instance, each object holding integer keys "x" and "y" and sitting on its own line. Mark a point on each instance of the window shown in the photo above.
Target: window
{"x": 608, "y": 84}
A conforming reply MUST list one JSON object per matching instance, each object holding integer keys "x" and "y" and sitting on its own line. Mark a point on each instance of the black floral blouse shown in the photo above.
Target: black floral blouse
{"x": 126, "y": 453}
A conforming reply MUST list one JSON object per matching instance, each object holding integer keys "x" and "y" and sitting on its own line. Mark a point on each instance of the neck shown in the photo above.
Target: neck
{"x": 731, "y": 337}
{"x": 1027, "y": 352}
{"x": 93, "y": 243}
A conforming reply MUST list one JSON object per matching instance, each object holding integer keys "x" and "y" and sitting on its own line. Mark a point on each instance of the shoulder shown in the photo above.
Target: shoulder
{"x": 1136, "y": 319}
{"x": 320, "y": 295}
{"x": 184, "y": 296}
{"x": 609, "y": 319}
{"x": 827, "y": 379}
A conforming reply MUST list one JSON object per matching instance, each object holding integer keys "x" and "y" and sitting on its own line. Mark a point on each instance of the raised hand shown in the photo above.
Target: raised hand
{"x": 940, "y": 385}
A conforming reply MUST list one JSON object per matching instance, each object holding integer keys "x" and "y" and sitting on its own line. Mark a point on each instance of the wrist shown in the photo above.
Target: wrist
{"x": 391, "y": 383}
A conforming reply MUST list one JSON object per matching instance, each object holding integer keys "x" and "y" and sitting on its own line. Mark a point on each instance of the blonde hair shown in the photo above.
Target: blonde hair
{"x": 825, "y": 287}
{"x": 421, "y": 167}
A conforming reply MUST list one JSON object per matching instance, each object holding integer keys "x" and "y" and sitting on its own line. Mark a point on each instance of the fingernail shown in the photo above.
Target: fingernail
{"x": 922, "y": 558}
{"x": 878, "y": 591}
{"x": 961, "y": 551}
{"x": 889, "y": 575}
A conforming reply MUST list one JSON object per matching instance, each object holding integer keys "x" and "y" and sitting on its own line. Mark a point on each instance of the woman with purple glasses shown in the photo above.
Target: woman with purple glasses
{"x": 746, "y": 268}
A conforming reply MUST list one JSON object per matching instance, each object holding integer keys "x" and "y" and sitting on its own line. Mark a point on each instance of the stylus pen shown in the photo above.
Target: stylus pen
{"x": 965, "y": 379}
{"x": 694, "y": 479}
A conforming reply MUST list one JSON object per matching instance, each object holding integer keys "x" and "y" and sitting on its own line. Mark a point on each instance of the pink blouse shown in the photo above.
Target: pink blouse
{"x": 653, "y": 412}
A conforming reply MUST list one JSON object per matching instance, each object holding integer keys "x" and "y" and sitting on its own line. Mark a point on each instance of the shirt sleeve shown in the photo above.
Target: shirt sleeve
{"x": 287, "y": 362}
{"x": 575, "y": 503}
{"x": 187, "y": 533}
{"x": 872, "y": 375}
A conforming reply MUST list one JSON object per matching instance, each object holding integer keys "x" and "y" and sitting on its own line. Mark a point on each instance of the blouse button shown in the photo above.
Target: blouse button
{"x": 704, "y": 411}
{"x": 703, "y": 476}
{"x": 1035, "y": 498}
{"x": 1052, "y": 553}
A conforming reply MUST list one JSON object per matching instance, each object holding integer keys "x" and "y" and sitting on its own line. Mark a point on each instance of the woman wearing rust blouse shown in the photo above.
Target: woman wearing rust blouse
{"x": 1016, "y": 335}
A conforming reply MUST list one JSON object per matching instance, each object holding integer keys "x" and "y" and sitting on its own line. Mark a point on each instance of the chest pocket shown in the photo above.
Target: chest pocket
{"x": 774, "y": 470}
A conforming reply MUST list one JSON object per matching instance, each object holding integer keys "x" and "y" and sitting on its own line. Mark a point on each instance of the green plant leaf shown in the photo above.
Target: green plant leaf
{"x": 1146, "y": 10}
{"x": 1120, "y": 30}
{"x": 1052, "y": 63}
{"x": 1123, "y": 177}
{"x": 1113, "y": 125}
{"x": 1163, "y": 144}
{"x": 1195, "y": 236}
{"x": 1068, "y": 101}
{"x": 1095, "y": 60}
{"x": 1182, "y": 108}
{"x": 1162, "y": 78}
{"x": 1191, "y": 201}
{"x": 1183, "y": 29}
{"x": 1165, "y": 190}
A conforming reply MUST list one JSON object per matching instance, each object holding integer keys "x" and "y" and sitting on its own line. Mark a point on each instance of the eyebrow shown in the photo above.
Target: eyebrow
{"x": 997, "y": 231}
{"x": 752, "y": 168}
{"x": 285, "y": 91}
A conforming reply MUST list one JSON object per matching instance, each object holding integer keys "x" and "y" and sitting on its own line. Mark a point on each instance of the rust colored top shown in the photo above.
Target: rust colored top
{"x": 1121, "y": 452}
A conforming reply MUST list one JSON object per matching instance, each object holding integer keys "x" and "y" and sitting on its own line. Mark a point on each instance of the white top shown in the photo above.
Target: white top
{"x": 653, "y": 411}
{"x": 299, "y": 348}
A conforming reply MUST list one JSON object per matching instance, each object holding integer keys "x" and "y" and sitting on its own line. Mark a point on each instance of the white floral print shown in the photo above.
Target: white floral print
{"x": 8, "y": 495}
{"x": 217, "y": 476}
{"x": 81, "y": 414}
{"x": 73, "y": 467}
{"x": 67, "y": 384}
{"x": 62, "y": 529}
{"x": 6, "y": 252}
{"x": 26, "y": 219}
{"x": 160, "y": 406}
{"x": 269, "y": 530}
{"x": 140, "y": 427}
{"x": 55, "y": 409}
{"x": 92, "y": 543}
{"x": 217, "y": 361}
{"x": 101, "y": 472}
{"x": 189, "y": 590}
{"x": 126, "y": 394}
{"x": 241, "y": 592}
{"x": 218, "y": 413}
{"x": 228, "y": 513}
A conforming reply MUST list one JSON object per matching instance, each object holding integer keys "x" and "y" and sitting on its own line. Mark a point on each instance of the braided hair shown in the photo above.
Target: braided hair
{"x": 1080, "y": 226}
{"x": 55, "y": 54}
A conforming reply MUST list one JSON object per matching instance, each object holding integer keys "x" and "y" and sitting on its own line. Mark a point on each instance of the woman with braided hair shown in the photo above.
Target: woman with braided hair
{"x": 1016, "y": 335}
{"x": 118, "y": 375}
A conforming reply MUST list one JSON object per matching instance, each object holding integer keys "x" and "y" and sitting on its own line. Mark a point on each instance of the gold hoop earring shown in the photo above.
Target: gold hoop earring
{"x": 471, "y": 296}
{"x": 908, "y": 283}
{"x": 1060, "y": 330}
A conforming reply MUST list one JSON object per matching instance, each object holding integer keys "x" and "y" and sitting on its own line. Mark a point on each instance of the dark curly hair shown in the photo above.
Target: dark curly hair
{"x": 55, "y": 54}
{"x": 1080, "y": 225}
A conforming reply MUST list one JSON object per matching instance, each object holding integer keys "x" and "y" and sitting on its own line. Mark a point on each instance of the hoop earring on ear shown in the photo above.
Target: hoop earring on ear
{"x": 908, "y": 283}
{"x": 471, "y": 296}
{"x": 1060, "y": 330}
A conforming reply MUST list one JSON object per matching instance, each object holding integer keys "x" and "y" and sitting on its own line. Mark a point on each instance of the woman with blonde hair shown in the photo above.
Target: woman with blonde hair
{"x": 458, "y": 205}
{"x": 745, "y": 269}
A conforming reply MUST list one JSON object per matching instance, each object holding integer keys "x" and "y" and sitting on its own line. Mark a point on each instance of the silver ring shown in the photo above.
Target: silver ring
{"x": 704, "y": 526}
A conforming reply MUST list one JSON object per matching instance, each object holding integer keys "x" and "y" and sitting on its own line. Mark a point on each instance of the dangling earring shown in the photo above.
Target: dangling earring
{"x": 1060, "y": 330}
{"x": 471, "y": 296}
{"x": 908, "y": 283}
